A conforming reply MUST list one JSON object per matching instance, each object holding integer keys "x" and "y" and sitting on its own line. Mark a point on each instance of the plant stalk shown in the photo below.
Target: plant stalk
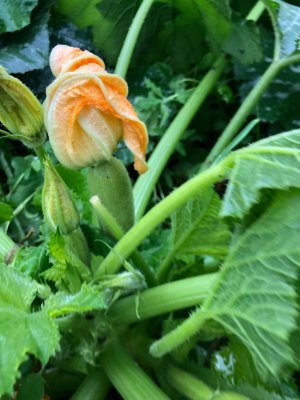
{"x": 181, "y": 334}
{"x": 247, "y": 106}
{"x": 131, "y": 38}
{"x": 162, "y": 299}
{"x": 127, "y": 377}
{"x": 94, "y": 387}
{"x": 159, "y": 213}
{"x": 145, "y": 184}
{"x": 187, "y": 384}
{"x": 118, "y": 232}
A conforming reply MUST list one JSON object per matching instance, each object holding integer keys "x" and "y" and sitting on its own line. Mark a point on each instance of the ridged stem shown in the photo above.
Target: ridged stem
{"x": 127, "y": 377}
{"x": 94, "y": 387}
{"x": 118, "y": 232}
{"x": 162, "y": 299}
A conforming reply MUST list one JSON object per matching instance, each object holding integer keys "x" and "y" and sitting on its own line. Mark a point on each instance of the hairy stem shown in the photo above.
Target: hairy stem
{"x": 131, "y": 38}
{"x": 145, "y": 184}
{"x": 247, "y": 106}
{"x": 159, "y": 213}
{"x": 162, "y": 299}
{"x": 127, "y": 377}
{"x": 118, "y": 232}
{"x": 179, "y": 335}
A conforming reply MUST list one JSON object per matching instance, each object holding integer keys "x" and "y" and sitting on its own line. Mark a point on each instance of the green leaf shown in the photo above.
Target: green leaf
{"x": 30, "y": 260}
{"x": 216, "y": 18}
{"x": 21, "y": 331}
{"x": 244, "y": 43}
{"x": 286, "y": 22}
{"x": 272, "y": 163}
{"x": 15, "y": 14}
{"x": 89, "y": 298}
{"x": 68, "y": 271}
{"x": 198, "y": 229}
{"x": 28, "y": 49}
{"x": 6, "y": 212}
{"x": 253, "y": 298}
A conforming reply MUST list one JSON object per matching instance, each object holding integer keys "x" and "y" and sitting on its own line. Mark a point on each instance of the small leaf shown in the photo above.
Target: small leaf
{"x": 272, "y": 163}
{"x": 15, "y": 14}
{"x": 89, "y": 298}
{"x": 197, "y": 228}
{"x": 30, "y": 260}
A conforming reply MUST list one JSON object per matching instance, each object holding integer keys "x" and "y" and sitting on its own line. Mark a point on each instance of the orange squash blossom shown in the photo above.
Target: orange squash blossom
{"x": 87, "y": 112}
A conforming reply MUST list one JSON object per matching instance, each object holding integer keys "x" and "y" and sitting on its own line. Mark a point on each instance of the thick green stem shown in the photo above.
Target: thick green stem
{"x": 131, "y": 38}
{"x": 159, "y": 213}
{"x": 162, "y": 299}
{"x": 159, "y": 158}
{"x": 247, "y": 107}
{"x": 187, "y": 384}
{"x": 94, "y": 387}
{"x": 118, "y": 232}
{"x": 127, "y": 377}
{"x": 7, "y": 247}
{"x": 163, "y": 269}
{"x": 179, "y": 335}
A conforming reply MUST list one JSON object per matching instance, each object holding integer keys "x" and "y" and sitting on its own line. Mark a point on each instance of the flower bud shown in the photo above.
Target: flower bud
{"x": 20, "y": 111}
{"x": 87, "y": 112}
{"x": 58, "y": 206}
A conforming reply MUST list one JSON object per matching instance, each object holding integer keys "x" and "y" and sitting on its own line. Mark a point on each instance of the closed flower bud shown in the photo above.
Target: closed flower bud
{"x": 20, "y": 111}
{"x": 58, "y": 206}
{"x": 87, "y": 112}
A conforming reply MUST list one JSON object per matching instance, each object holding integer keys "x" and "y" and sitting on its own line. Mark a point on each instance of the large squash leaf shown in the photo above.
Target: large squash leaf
{"x": 272, "y": 163}
{"x": 254, "y": 297}
{"x": 15, "y": 14}
{"x": 22, "y": 332}
{"x": 198, "y": 229}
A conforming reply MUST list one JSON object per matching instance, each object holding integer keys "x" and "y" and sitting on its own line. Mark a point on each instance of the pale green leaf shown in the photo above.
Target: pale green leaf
{"x": 198, "y": 229}
{"x": 15, "y": 14}
{"x": 89, "y": 298}
{"x": 272, "y": 163}
{"x": 21, "y": 332}
{"x": 253, "y": 298}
